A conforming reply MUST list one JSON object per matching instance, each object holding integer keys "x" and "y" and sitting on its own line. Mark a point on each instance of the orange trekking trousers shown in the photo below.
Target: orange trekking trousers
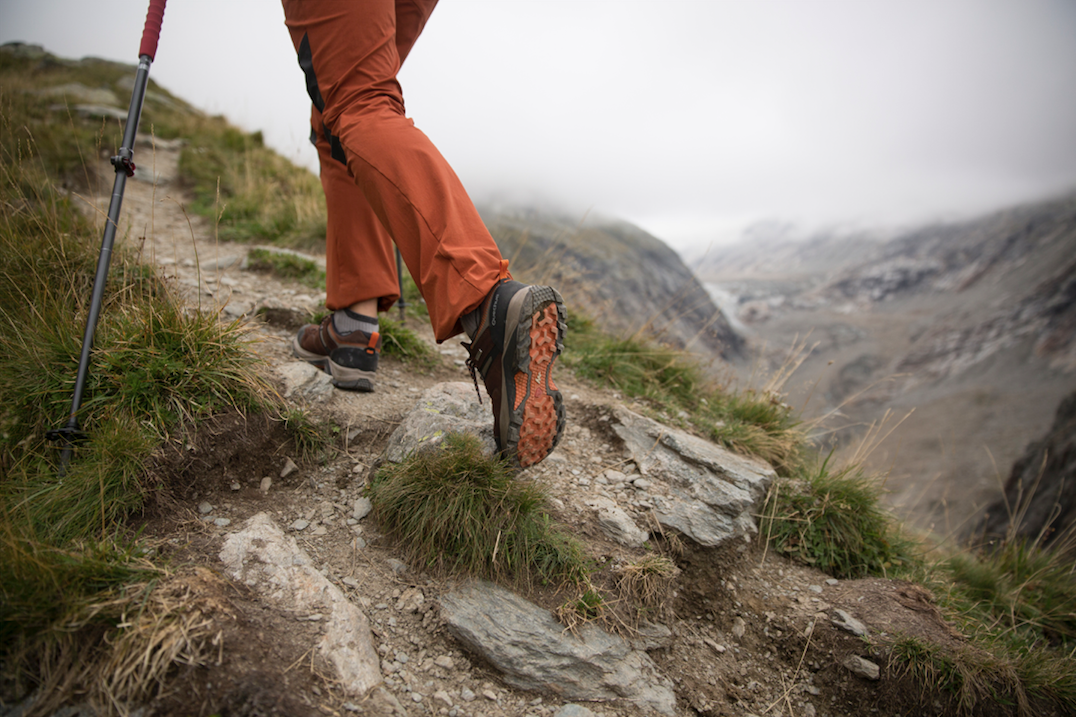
{"x": 384, "y": 180}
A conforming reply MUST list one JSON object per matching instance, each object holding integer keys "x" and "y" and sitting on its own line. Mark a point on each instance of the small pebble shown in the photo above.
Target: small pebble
{"x": 288, "y": 469}
{"x": 300, "y": 524}
{"x": 267, "y": 483}
{"x": 222, "y": 522}
{"x": 204, "y": 508}
{"x": 235, "y": 485}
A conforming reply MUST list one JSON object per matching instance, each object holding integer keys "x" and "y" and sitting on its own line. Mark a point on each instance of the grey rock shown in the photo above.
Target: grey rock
{"x": 91, "y": 110}
{"x": 303, "y": 380}
{"x": 76, "y": 92}
{"x": 222, "y": 263}
{"x": 288, "y": 469}
{"x": 261, "y": 556}
{"x": 411, "y": 600}
{"x": 205, "y": 508}
{"x": 361, "y": 508}
{"x": 862, "y": 668}
{"x": 573, "y": 710}
{"x": 534, "y": 651}
{"x": 848, "y": 623}
{"x": 616, "y": 523}
{"x": 266, "y": 484}
{"x": 444, "y": 408}
{"x": 702, "y": 490}
{"x": 651, "y": 636}
{"x": 300, "y": 524}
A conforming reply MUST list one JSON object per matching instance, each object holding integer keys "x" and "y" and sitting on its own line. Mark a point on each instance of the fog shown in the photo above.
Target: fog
{"x": 692, "y": 119}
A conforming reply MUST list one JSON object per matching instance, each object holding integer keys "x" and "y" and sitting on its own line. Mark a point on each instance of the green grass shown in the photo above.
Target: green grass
{"x": 249, "y": 191}
{"x": 458, "y": 511}
{"x": 157, "y": 369}
{"x": 833, "y": 520}
{"x": 287, "y": 266}
{"x": 252, "y": 193}
{"x": 1016, "y": 602}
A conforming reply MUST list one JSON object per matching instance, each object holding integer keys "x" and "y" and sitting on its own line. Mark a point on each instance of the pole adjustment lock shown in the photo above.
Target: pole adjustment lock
{"x": 124, "y": 162}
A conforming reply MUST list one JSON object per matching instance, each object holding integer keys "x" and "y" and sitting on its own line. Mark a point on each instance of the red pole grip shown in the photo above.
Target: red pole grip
{"x": 152, "y": 33}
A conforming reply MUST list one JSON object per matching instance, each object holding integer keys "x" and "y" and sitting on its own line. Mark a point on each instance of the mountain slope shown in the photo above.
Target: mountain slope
{"x": 619, "y": 273}
{"x": 972, "y": 325}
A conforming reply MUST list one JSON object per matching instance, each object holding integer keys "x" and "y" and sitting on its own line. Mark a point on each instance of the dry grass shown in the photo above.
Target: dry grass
{"x": 649, "y": 580}
{"x": 117, "y": 651}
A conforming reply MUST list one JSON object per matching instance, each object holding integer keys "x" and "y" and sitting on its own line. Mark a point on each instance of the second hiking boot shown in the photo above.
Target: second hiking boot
{"x": 351, "y": 359}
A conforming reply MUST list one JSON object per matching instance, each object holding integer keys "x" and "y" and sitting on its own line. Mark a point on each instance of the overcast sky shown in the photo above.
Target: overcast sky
{"x": 689, "y": 118}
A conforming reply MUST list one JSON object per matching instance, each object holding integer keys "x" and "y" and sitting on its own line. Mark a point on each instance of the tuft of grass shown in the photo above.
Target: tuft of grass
{"x": 1021, "y": 584}
{"x": 311, "y": 437}
{"x": 649, "y": 579}
{"x": 44, "y": 585}
{"x": 454, "y": 509}
{"x": 287, "y": 265}
{"x": 834, "y": 522}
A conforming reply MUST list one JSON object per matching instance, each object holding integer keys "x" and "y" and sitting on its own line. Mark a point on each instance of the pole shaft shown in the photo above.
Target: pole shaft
{"x": 123, "y": 166}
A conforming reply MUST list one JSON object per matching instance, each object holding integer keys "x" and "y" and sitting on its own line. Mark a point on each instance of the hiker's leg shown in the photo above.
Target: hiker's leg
{"x": 360, "y": 262}
{"x": 349, "y": 52}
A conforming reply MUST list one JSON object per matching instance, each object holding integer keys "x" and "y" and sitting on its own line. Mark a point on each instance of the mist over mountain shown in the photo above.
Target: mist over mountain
{"x": 972, "y": 325}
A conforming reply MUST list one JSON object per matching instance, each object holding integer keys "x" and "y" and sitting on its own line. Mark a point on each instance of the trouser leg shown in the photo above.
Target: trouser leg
{"x": 360, "y": 262}
{"x": 352, "y": 59}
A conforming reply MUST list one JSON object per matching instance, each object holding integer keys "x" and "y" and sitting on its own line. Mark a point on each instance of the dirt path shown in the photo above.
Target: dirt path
{"x": 751, "y": 632}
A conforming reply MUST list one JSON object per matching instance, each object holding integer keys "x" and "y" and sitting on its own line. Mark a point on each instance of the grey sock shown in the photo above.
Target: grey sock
{"x": 470, "y": 322}
{"x": 345, "y": 321}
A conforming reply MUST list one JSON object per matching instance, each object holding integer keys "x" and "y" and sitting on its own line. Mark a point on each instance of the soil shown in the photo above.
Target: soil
{"x": 752, "y": 631}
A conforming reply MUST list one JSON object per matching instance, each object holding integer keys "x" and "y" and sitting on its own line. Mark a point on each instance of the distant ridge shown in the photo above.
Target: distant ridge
{"x": 619, "y": 273}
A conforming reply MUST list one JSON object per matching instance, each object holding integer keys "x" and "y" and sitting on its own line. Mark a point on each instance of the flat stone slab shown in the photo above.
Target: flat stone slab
{"x": 535, "y": 652}
{"x": 701, "y": 489}
{"x": 261, "y": 556}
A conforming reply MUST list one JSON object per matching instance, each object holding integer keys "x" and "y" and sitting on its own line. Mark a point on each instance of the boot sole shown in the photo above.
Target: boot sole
{"x": 537, "y": 322}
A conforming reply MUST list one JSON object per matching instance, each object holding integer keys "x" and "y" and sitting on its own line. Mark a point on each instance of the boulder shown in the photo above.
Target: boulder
{"x": 261, "y": 556}
{"x": 700, "y": 489}
{"x": 304, "y": 380}
{"x": 444, "y": 408}
{"x": 617, "y": 524}
{"x": 535, "y": 652}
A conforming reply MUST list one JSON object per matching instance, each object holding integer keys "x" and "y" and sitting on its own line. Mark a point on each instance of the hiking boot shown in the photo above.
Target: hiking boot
{"x": 519, "y": 334}
{"x": 350, "y": 359}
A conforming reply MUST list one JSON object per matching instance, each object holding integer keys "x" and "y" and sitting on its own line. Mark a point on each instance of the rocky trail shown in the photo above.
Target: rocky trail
{"x": 307, "y": 609}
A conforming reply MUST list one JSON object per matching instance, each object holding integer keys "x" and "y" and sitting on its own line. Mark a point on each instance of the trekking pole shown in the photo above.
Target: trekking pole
{"x": 70, "y": 434}
{"x": 399, "y": 275}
